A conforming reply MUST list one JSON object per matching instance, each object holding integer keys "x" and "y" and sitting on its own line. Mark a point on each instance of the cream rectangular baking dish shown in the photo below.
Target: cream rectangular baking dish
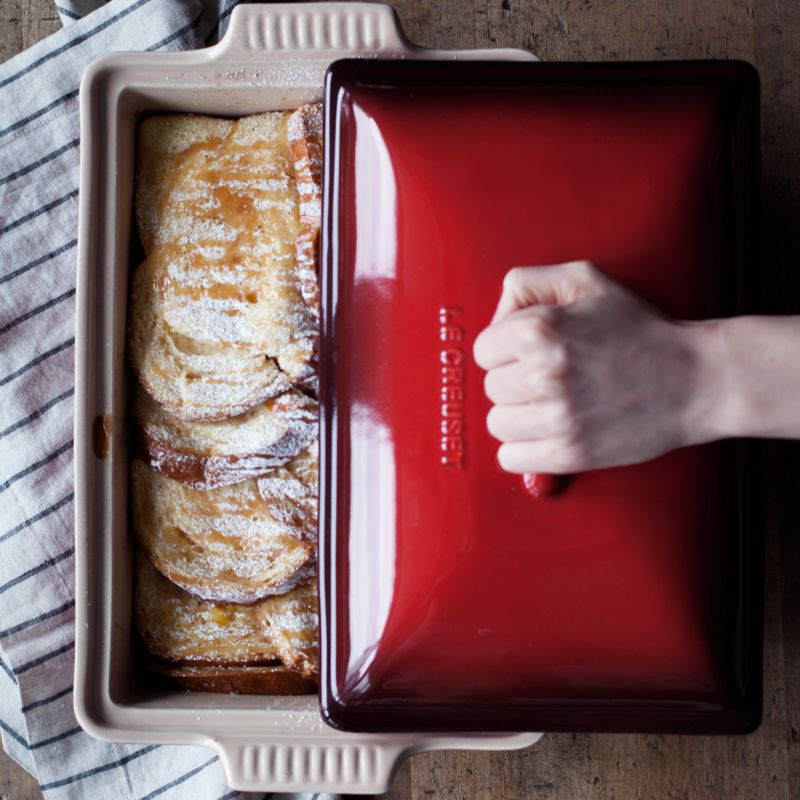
{"x": 273, "y": 57}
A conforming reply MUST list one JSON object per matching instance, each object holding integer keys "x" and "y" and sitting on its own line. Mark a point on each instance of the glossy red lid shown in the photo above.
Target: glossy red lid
{"x": 452, "y": 598}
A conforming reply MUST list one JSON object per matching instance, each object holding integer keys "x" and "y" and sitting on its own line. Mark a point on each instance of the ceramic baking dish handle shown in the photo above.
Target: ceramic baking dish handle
{"x": 326, "y": 31}
{"x": 332, "y": 765}
{"x": 313, "y": 29}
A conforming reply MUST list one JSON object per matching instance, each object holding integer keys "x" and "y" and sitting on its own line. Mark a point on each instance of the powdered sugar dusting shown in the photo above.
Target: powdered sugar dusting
{"x": 220, "y": 220}
{"x": 224, "y": 310}
{"x": 258, "y": 430}
{"x": 291, "y": 492}
{"x": 220, "y": 544}
{"x": 180, "y": 627}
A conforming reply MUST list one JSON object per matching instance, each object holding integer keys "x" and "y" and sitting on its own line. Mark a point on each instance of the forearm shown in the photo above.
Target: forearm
{"x": 749, "y": 379}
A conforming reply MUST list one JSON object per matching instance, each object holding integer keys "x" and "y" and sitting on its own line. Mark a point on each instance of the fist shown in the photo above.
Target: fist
{"x": 584, "y": 374}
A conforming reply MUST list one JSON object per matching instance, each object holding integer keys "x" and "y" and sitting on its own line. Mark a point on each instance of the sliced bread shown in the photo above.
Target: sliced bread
{"x": 179, "y": 627}
{"x": 218, "y": 214}
{"x": 211, "y": 454}
{"x": 292, "y": 622}
{"x": 218, "y": 544}
{"x": 291, "y": 492}
{"x": 305, "y": 140}
{"x": 272, "y": 680}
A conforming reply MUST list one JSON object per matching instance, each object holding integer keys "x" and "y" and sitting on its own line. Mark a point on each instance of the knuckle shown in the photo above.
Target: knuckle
{"x": 532, "y": 382}
{"x": 581, "y": 276}
{"x": 564, "y": 422}
{"x": 545, "y": 379}
{"x": 563, "y": 460}
{"x": 589, "y": 275}
{"x": 496, "y": 387}
{"x": 546, "y": 317}
{"x": 479, "y": 350}
{"x": 539, "y": 326}
{"x": 533, "y": 330}
{"x": 489, "y": 384}
{"x": 506, "y": 459}
{"x": 485, "y": 349}
{"x": 553, "y": 387}
{"x": 558, "y": 361}
{"x": 520, "y": 333}
{"x": 574, "y": 460}
{"x": 585, "y": 268}
{"x": 492, "y": 423}
{"x": 497, "y": 424}
{"x": 575, "y": 452}
{"x": 513, "y": 278}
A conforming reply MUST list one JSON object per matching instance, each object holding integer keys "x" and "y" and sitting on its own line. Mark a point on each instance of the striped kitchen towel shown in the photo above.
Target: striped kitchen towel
{"x": 39, "y": 135}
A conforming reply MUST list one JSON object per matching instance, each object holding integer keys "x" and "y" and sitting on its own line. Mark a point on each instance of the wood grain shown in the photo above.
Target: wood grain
{"x": 766, "y": 765}
{"x": 15, "y": 782}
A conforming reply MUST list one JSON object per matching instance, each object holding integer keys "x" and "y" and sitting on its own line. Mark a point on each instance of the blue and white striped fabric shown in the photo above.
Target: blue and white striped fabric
{"x": 39, "y": 135}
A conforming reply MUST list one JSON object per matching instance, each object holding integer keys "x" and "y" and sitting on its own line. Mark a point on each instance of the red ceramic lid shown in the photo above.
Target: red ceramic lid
{"x": 452, "y": 598}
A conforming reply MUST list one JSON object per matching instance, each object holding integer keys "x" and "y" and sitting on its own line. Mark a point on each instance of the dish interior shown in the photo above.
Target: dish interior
{"x": 119, "y": 665}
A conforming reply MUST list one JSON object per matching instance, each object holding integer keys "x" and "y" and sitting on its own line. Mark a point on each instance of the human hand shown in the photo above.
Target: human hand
{"x": 584, "y": 374}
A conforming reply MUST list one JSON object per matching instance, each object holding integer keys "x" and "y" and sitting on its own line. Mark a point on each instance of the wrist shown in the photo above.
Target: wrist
{"x": 714, "y": 404}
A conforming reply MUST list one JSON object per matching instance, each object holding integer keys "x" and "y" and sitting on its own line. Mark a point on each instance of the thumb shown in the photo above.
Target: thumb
{"x": 556, "y": 284}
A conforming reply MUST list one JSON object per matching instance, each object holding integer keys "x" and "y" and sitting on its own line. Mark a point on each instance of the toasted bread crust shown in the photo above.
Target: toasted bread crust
{"x": 207, "y": 455}
{"x": 261, "y": 680}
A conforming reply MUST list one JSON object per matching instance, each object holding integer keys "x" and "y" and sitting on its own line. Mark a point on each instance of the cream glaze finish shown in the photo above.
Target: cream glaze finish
{"x": 272, "y": 58}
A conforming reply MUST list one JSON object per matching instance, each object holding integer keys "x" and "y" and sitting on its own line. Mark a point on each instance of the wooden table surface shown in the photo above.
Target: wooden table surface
{"x": 765, "y": 765}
